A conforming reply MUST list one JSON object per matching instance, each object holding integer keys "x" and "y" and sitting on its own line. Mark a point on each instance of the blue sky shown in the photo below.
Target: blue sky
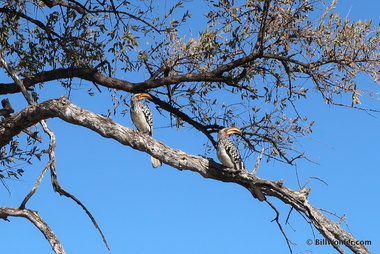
{"x": 144, "y": 210}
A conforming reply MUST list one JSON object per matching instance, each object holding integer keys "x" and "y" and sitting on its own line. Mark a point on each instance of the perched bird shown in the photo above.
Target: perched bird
{"x": 142, "y": 118}
{"x": 227, "y": 152}
{"x": 229, "y": 155}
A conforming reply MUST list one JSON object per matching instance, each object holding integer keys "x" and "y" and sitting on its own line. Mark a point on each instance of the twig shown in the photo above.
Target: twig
{"x": 260, "y": 37}
{"x": 258, "y": 161}
{"x": 184, "y": 117}
{"x": 35, "y": 187}
{"x": 288, "y": 241}
{"x": 312, "y": 177}
{"x": 38, "y": 23}
{"x": 57, "y": 187}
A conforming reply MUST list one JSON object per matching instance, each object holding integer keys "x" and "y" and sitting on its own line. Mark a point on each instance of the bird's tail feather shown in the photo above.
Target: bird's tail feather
{"x": 155, "y": 162}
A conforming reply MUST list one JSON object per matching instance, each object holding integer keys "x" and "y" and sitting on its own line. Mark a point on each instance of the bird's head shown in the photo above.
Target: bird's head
{"x": 141, "y": 96}
{"x": 226, "y": 132}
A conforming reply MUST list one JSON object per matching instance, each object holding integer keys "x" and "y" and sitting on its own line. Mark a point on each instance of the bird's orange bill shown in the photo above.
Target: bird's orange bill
{"x": 234, "y": 130}
{"x": 144, "y": 96}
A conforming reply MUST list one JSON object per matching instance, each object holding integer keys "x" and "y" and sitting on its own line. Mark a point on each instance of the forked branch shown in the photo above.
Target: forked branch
{"x": 178, "y": 159}
{"x": 51, "y": 151}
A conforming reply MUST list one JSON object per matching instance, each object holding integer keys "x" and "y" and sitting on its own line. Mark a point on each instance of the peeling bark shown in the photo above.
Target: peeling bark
{"x": 65, "y": 110}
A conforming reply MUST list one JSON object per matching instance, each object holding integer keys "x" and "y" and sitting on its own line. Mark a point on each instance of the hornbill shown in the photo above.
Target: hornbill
{"x": 142, "y": 118}
{"x": 229, "y": 155}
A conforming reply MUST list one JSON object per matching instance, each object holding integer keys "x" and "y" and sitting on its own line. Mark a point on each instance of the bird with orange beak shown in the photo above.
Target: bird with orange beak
{"x": 142, "y": 118}
{"x": 227, "y": 152}
{"x": 229, "y": 156}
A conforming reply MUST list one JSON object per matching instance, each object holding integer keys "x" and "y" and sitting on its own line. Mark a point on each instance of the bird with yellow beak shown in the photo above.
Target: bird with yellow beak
{"x": 227, "y": 152}
{"x": 229, "y": 155}
{"x": 142, "y": 118}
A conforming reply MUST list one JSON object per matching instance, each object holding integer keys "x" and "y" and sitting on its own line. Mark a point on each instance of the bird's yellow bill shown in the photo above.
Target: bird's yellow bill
{"x": 234, "y": 130}
{"x": 144, "y": 96}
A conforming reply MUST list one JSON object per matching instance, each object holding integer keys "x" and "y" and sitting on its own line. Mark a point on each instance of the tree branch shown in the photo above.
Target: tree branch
{"x": 107, "y": 128}
{"x": 259, "y": 46}
{"x": 202, "y": 128}
{"x": 38, "y": 23}
{"x": 78, "y": 7}
{"x": 33, "y": 217}
{"x": 93, "y": 75}
{"x": 51, "y": 151}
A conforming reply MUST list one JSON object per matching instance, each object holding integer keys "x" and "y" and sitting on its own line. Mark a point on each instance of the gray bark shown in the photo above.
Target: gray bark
{"x": 65, "y": 110}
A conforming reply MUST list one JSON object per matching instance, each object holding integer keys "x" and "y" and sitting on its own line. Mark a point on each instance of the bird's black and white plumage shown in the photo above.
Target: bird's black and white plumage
{"x": 142, "y": 118}
{"x": 227, "y": 152}
{"x": 229, "y": 155}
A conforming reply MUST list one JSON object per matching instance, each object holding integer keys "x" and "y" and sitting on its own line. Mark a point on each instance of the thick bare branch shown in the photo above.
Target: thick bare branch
{"x": 92, "y": 74}
{"x": 71, "y": 113}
